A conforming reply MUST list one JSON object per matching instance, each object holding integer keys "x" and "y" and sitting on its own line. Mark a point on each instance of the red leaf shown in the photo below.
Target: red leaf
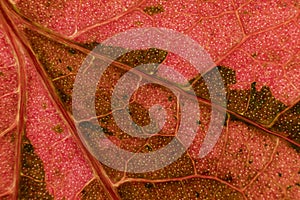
{"x": 256, "y": 48}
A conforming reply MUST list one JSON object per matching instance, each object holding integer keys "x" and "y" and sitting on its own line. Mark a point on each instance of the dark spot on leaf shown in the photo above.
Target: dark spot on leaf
{"x": 148, "y": 147}
{"x": 72, "y": 51}
{"x": 170, "y": 98}
{"x": 295, "y": 147}
{"x": 228, "y": 116}
{"x": 89, "y": 46}
{"x": 228, "y": 178}
{"x": 138, "y": 23}
{"x": 93, "y": 190}
{"x": 88, "y": 125}
{"x": 139, "y": 114}
{"x": 205, "y": 172}
{"x": 279, "y": 174}
{"x": 227, "y": 74}
{"x": 200, "y": 83}
{"x": 125, "y": 96}
{"x": 90, "y": 131}
{"x": 32, "y": 179}
{"x": 63, "y": 96}
{"x": 70, "y": 68}
{"x": 83, "y": 192}
{"x": 263, "y": 107}
{"x": 57, "y": 129}
{"x": 107, "y": 131}
{"x": 31, "y": 189}
{"x": 151, "y": 56}
{"x": 28, "y": 148}
{"x": 197, "y": 194}
{"x": 250, "y": 161}
{"x": 149, "y": 185}
{"x": 254, "y": 55}
{"x": 289, "y": 123}
{"x": 253, "y": 86}
{"x": 152, "y": 10}
{"x": 104, "y": 119}
{"x": 44, "y": 105}
{"x": 298, "y": 184}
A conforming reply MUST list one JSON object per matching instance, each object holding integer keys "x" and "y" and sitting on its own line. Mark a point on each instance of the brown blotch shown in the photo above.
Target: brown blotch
{"x": 289, "y": 123}
{"x": 152, "y": 10}
{"x": 139, "y": 114}
{"x": 32, "y": 179}
{"x": 263, "y": 107}
{"x": 94, "y": 190}
{"x": 90, "y": 45}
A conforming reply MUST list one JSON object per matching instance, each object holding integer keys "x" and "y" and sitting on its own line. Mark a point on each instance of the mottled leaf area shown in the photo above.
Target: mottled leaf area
{"x": 259, "y": 106}
{"x": 32, "y": 177}
{"x": 255, "y": 46}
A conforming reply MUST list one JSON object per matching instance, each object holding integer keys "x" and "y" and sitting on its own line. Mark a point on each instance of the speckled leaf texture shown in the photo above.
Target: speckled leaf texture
{"x": 255, "y": 45}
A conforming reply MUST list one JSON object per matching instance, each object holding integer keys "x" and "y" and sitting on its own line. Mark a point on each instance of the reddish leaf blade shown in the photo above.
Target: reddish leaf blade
{"x": 253, "y": 159}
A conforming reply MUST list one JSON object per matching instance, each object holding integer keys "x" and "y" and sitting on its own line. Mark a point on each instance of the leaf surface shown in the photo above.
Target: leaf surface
{"x": 255, "y": 47}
